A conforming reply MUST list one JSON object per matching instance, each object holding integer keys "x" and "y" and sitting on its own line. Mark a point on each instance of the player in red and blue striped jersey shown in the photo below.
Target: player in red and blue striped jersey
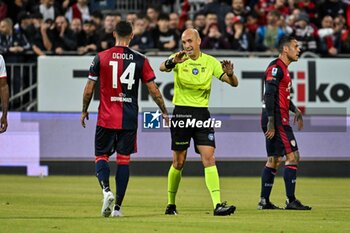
{"x": 280, "y": 140}
{"x": 119, "y": 71}
{"x": 4, "y": 95}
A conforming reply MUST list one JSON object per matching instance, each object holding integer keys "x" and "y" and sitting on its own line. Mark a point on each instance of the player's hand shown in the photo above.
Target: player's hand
{"x": 298, "y": 119}
{"x": 179, "y": 57}
{"x": 270, "y": 133}
{"x": 227, "y": 67}
{"x": 84, "y": 115}
{"x": 3, "y": 124}
{"x": 166, "y": 119}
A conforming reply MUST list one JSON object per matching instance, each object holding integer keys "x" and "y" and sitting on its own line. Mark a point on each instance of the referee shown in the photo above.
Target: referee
{"x": 193, "y": 72}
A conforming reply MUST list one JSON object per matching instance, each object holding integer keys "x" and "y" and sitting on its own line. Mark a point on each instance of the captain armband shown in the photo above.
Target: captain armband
{"x": 169, "y": 64}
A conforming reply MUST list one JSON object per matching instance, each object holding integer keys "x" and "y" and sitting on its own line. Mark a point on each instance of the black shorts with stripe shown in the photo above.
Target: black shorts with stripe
{"x": 108, "y": 141}
{"x": 282, "y": 143}
{"x": 181, "y": 136}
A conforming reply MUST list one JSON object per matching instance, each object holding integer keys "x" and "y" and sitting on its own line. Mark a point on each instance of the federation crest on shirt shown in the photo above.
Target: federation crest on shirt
{"x": 195, "y": 71}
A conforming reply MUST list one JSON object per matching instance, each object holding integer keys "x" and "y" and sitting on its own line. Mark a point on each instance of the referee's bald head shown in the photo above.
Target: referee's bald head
{"x": 190, "y": 31}
{"x": 191, "y": 43}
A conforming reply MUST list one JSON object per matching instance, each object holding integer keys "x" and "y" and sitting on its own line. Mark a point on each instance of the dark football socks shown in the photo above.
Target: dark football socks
{"x": 102, "y": 173}
{"x": 290, "y": 177}
{"x": 267, "y": 179}
{"x": 121, "y": 180}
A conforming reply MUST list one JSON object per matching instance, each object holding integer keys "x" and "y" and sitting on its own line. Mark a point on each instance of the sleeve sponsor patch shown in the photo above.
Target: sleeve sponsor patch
{"x": 274, "y": 71}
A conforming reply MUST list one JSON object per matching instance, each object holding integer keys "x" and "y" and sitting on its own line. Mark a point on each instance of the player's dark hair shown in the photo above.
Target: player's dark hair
{"x": 123, "y": 28}
{"x": 284, "y": 41}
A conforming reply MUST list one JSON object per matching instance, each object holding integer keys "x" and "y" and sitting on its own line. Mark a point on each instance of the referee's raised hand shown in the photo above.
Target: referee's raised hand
{"x": 227, "y": 67}
{"x": 179, "y": 57}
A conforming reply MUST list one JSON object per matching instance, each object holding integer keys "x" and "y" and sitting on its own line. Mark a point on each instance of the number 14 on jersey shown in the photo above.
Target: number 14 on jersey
{"x": 127, "y": 76}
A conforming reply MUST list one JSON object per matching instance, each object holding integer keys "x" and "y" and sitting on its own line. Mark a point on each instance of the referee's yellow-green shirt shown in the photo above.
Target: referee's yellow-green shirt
{"x": 192, "y": 80}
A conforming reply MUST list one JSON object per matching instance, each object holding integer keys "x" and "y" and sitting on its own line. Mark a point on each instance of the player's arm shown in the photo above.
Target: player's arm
{"x": 89, "y": 89}
{"x": 269, "y": 98}
{"x": 87, "y": 96}
{"x": 170, "y": 63}
{"x": 272, "y": 78}
{"x": 4, "y": 94}
{"x": 229, "y": 75}
{"x": 157, "y": 97}
{"x": 298, "y": 116}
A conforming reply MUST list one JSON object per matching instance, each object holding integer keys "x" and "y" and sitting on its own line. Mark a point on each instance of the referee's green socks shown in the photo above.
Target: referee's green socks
{"x": 213, "y": 184}
{"x": 174, "y": 177}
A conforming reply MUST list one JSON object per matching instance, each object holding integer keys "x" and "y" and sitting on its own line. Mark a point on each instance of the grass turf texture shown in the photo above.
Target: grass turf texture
{"x": 73, "y": 203}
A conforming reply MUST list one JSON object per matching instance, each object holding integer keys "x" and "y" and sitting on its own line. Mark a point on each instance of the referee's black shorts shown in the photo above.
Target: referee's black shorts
{"x": 183, "y": 129}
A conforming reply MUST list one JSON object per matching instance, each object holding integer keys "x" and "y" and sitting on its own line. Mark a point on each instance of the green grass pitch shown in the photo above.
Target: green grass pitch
{"x": 72, "y": 204}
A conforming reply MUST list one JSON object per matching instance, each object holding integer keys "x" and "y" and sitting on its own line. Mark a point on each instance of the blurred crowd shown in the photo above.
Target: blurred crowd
{"x": 73, "y": 27}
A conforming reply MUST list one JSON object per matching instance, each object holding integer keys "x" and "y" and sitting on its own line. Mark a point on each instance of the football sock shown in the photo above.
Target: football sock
{"x": 102, "y": 172}
{"x": 290, "y": 177}
{"x": 121, "y": 180}
{"x": 267, "y": 179}
{"x": 213, "y": 184}
{"x": 174, "y": 177}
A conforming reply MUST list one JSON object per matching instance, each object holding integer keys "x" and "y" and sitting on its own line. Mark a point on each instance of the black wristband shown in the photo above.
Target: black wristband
{"x": 169, "y": 64}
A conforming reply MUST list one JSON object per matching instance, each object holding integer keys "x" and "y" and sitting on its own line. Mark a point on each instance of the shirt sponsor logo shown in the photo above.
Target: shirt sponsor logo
{"x": 121, "y": 98}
